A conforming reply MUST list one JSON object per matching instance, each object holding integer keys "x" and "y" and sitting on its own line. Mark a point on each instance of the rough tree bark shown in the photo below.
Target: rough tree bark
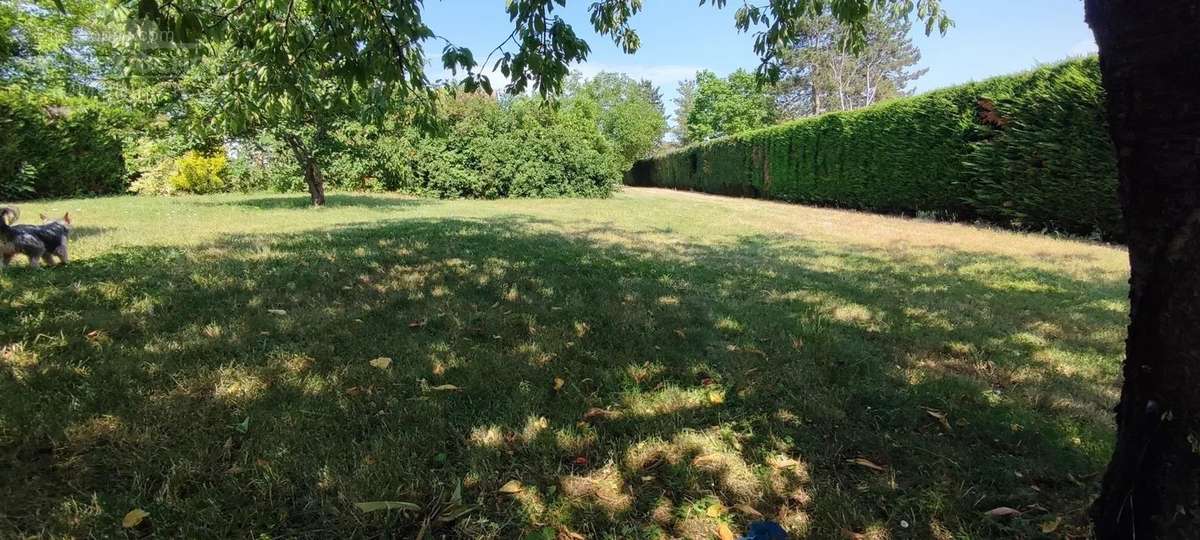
{"x": 312, "y": 169}
{"x": 1150, "y": 62}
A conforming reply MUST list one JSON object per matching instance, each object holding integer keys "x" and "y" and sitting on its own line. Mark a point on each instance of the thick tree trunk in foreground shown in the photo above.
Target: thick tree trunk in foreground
{"x": 1150, "y": 61}
{"x": 312, "y": 170}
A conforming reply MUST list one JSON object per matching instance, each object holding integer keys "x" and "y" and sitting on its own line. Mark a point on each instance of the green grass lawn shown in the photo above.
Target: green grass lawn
{"x": 653, "y": 365}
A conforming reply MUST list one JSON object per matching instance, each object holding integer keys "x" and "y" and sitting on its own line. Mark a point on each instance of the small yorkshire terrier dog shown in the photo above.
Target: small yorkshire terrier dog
{"x": 40, "y": 243}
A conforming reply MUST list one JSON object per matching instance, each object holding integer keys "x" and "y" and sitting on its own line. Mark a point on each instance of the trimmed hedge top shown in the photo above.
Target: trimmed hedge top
{"x": 1029, "y": 151}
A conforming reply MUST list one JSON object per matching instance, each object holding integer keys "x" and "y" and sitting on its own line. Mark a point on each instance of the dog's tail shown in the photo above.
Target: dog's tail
{"x": 8, "y": 216}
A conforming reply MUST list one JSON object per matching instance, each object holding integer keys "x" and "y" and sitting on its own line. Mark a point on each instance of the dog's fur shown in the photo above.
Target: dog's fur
{"x": 40, "y": 243}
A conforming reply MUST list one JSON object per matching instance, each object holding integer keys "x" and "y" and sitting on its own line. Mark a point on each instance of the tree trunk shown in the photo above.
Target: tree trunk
{"x": 816, "y": 95}
{"x": 312, "y": 169}
{"x": 1150, "y": 62}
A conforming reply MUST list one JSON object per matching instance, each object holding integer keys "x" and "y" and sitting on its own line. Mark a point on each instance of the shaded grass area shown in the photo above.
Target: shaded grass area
{"x": 640, "y": 379}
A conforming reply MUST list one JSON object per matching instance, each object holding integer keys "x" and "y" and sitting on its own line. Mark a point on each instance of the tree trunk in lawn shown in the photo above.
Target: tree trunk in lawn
{"x": 1150, "y": 62}
{"x": 316, "y": 182}
{"x": 312, "y": 170}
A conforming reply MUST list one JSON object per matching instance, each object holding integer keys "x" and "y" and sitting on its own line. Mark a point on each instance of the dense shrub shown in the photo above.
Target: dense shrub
{"x": 478, "y": 147}
{"x": 1028, "y": 150}
{"x": 151, "y": 163}
{"x": 159, "y": 168}
{"x": 263, "y": 163}
{"x": 58, "y": 147}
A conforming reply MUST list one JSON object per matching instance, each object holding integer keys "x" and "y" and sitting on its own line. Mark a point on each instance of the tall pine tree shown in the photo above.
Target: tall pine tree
{"x": 824, "y": 70}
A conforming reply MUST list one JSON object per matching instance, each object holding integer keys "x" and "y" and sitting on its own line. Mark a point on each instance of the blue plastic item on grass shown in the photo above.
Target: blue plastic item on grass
{"x": 765, "y": 530}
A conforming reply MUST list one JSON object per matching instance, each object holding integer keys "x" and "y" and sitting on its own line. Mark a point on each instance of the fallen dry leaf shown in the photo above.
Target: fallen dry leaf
{"x": 715, "y": 510}
{"x": 134, "y": 518}
{"x": 748, "y": 510}
{"x": 382, "y": 362}
{"x": 595, "y": 412}
{"x": 280, "y": 312}
{"x": 783, "y": 462}
{"x": 724, "y": 533}
{"x": 418, "y": 324}
{"x": 446, "y": 388}
{"x": 864, "y": 462}
{"x": 716, "y": 398}
{"x": 940, "y": 416}
{"x": 1003, "y": 511}
{"x": 570, "y": 535}
{"x": 1051, "y": 526}
{"x": 511, "y": 487}
{"x": 372, "y": 506}
{"x": 558, "y": 383}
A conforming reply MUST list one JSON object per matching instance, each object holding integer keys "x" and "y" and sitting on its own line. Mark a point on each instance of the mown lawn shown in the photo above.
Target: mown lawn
{"x": 648, "y": 366}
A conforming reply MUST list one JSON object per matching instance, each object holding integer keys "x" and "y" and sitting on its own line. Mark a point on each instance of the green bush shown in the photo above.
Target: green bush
{"x": 1028, "y": 150}
{"x": 59, "y": 146}
{"x": 151, "y": 162}
{"x": 478, "y": 148}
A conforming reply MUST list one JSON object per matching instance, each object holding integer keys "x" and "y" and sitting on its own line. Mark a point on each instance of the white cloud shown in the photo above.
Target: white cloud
{"x": 1084, "y": 48}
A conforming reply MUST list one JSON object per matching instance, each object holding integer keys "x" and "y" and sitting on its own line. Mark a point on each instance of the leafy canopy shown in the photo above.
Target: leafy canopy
{"x": 378, "y": 43}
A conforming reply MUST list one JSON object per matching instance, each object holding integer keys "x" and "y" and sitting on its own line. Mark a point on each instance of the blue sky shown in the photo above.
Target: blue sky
{"x": 679, "y": 38}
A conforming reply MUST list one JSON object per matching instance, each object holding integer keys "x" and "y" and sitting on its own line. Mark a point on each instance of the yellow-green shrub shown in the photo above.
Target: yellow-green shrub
{"x": 197, "y": 173}
{"x": 155, "y": 179}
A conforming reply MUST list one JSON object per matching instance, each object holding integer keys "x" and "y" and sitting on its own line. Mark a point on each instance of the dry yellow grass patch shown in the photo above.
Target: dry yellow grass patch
{"x": 604, "y": 487}
{"x": 851, "y": 228}
{"x": 238, "y": 386}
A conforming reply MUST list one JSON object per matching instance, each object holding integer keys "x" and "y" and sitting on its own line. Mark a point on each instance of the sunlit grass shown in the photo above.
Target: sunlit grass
{"x": 652, "y": 365}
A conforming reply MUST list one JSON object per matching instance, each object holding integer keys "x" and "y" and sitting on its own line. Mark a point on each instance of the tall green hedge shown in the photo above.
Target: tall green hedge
{"x": 58, "y": 146}
{"x": 1029, "y": 151}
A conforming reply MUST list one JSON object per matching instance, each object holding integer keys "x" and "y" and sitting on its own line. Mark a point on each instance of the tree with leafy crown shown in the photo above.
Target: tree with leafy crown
{"x": 629, "y": 112}
{"x": 1148, "y": 51}
{"x": 727, "y": 106}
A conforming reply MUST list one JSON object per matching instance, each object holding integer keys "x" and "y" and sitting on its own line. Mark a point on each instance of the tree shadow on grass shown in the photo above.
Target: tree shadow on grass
{"x": 628, "y": 384}
{"x": 292, "y": 201}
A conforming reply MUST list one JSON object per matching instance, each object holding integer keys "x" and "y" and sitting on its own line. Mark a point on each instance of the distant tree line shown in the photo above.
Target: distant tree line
{"x": 823, "y": 70}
